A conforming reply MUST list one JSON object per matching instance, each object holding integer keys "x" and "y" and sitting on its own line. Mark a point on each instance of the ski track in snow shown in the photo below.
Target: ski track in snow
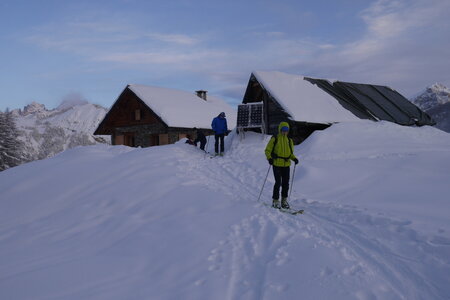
{"x": 354, "y": 233}
{"x": 261, "y": 241}
{"x": 334, "y": 250}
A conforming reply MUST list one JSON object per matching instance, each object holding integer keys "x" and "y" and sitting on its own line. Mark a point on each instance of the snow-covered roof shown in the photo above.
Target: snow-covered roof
{"x": 301, "y": 99}
{"x": 183, "y": 109}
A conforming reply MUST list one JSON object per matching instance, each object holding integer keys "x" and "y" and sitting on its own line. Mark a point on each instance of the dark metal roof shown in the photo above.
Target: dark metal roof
{"x": 374, "y": 102}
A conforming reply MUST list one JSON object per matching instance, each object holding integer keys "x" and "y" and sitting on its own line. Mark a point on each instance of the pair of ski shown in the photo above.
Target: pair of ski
{"x": 211, "y": 155}
{"x": 291, "y": 211}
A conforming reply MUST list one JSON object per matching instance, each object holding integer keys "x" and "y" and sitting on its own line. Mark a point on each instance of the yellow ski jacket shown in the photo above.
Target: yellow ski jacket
{"x": 280, "y": 148}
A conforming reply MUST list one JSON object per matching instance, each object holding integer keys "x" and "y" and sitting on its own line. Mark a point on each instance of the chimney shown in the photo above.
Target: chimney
{"x": 201, "y": 94}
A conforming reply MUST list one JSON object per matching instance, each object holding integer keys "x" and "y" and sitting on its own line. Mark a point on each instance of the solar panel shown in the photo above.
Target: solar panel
{"x": 256, "y": 115}
{"x": 250, "y": 115}
{"x": 243, "y": 115}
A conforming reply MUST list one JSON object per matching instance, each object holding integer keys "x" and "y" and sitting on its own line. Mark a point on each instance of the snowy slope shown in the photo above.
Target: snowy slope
{"x": 48, "y": 132}
{"x": 166, "y": 222}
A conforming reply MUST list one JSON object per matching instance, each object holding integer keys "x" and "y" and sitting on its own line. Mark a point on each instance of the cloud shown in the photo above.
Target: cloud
{"x": 144, "y": 58}
{"x": 391, "y": 23}
{"x": 104, "y": 40}
{"x": 181, "y": 39}
{"x": 81, "y": 38}
{"x": 404, "y": 44}
{"x": 192, "y": 59}
{"x": 72, "y": 99}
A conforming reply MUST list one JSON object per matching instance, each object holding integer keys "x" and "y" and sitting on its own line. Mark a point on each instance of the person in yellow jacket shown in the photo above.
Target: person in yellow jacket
{"x": 279, "y": 152}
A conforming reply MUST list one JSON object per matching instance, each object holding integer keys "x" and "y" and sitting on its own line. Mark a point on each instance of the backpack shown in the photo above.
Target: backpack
{"x": 273, "y": 155}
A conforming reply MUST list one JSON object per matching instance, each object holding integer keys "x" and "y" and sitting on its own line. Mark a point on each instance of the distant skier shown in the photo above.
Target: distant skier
{"x": 279, "y": 152}
{"x": 200, "y": 139}
{"x": 220, "y": 128}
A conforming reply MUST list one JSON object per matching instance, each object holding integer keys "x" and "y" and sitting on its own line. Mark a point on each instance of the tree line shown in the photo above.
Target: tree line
{"x": 12, "y": 151}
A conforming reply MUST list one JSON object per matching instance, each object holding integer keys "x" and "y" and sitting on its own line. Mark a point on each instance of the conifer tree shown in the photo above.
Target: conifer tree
{"x": 3, "y": 132}
{"x": 11, "y": 148}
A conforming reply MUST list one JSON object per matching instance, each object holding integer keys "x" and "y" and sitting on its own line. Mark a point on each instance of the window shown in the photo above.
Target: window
{"x": 137, "y": 114}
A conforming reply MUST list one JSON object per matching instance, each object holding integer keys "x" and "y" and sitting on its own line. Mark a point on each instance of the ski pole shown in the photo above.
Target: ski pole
{"x": 292, "y": 182}
{"x": 268, "y": 170}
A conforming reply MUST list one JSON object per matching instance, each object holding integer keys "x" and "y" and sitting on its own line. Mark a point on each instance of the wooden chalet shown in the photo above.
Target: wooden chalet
{"x": 149, "y": 116}
{"x": 310, "y": 104}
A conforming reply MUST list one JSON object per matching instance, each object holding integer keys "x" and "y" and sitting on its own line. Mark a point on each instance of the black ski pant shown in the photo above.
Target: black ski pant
{"x": 220, "y": 137}
{"x": 281, "y": 175}
{"x": 202, "y": 143}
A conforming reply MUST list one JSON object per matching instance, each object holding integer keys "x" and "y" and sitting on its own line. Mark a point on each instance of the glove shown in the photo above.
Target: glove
{"x": 270, "y": 161}
{"x": 295, "y": 160}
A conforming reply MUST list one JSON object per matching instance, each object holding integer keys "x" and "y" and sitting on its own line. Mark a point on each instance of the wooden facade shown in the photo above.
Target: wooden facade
{"x": 274, "y": 113}
{"x": 132, "y": 123}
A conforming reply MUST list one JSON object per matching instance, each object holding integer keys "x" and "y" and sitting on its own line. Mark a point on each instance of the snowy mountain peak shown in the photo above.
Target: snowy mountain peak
{"x": 48, "y": 132}
{"x": 435, "y": 101}
{"x": 437, "y": 87}
{"x": 33, "y": 107}
{"x": 432, "y": 96}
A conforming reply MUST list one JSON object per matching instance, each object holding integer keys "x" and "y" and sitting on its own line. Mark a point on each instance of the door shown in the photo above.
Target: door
{"x": 129, "y": 139}
{"x": 119, "y": 140}
{"x": 163, "y": 139}
{"x": 154, "y": 140}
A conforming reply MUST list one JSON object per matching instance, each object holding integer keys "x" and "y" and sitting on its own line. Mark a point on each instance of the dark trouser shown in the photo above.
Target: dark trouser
{"x": 281, "y": 175}
{"x": 220, "y": 137}
{"x": 202, "y": 145}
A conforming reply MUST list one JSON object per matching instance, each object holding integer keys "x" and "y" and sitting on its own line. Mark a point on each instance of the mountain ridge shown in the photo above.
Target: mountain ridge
{"x": 435, "y": 101}
{"x": 46, "y": 132}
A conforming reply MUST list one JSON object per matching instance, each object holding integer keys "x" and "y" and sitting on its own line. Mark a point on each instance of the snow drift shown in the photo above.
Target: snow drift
{"x": 168, "y": 222}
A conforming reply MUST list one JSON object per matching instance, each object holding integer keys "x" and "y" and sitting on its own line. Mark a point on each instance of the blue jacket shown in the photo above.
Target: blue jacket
{"x": 219, "y": 125}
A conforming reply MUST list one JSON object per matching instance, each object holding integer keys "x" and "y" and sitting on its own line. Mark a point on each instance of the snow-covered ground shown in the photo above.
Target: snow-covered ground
{"x": 168, "y": 222}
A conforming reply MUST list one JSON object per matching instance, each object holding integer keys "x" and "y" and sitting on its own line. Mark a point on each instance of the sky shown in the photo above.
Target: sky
{"x": 51, "y": 50}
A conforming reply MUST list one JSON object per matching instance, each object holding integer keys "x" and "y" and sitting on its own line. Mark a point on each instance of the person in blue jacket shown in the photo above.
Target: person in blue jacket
{"x": 220, "y": 128}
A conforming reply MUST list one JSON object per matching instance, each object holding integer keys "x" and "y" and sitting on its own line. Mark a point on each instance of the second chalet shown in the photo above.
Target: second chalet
{"x": 310, "y": 104}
